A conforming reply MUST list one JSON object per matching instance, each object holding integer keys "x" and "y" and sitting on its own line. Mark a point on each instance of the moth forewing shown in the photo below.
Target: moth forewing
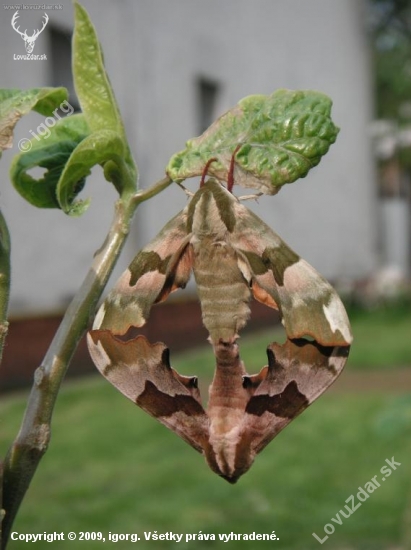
{"x": 308, "y": 304}
{"x": 311, "y": 307}
{"x": 159, "y": 268}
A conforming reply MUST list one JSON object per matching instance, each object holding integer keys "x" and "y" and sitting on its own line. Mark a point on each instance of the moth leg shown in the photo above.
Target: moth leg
{"x": 255, "y": 197}
{"x": 189, "y": 193}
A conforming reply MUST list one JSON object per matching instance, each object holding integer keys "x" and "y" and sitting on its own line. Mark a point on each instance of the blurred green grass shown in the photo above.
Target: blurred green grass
{"x": 110, "y": 467}
{"x": 382, "y": 337}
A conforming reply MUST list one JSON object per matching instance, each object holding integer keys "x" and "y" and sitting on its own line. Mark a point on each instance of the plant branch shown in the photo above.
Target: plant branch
{"x": 4, "y": 279}
{"x": 4, "y": 302}
{"x": 33, "y": 438}
{"x": 146, "y": 194}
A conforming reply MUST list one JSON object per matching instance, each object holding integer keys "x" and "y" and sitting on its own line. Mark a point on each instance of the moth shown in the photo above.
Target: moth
{"x": 234, "y": 257}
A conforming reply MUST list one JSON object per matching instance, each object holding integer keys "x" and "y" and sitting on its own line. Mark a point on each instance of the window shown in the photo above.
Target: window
{"x": 208, "y": 95}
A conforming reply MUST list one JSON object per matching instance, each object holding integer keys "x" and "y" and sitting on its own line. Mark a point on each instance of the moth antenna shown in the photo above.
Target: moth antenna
{"x": 256, "y": 196}
{"x": 186, "y": 191}
{"x": 230, "y": 177}
{"x": 206, "y": 167}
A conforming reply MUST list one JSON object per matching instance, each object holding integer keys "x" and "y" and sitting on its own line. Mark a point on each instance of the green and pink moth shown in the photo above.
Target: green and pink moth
{"x": 234, "y": 257}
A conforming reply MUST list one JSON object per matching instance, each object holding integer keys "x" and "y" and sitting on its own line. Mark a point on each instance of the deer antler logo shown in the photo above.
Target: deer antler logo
{"x": 29, "y": 41}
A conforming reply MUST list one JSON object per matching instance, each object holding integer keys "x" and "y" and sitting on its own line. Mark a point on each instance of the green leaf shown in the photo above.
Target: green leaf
{"x": 15, "y": 103}
{"x": 51, "y": 152}
{"x": 98, "y": 148}
{"x": 279, "y": 138}
{"x": 69, "y": 149}
{"x": 92, "y": 84}
{"x": 67, "y": 154}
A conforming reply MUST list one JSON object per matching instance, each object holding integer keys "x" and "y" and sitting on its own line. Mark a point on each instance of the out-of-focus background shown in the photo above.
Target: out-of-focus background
{"x": 175, "y": 66}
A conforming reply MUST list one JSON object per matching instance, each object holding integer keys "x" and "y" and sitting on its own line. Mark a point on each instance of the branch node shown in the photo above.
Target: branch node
{"x": 39, "y": 375}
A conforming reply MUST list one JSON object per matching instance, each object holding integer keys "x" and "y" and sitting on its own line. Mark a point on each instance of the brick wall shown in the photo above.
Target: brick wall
{"x": 178, "y": 324}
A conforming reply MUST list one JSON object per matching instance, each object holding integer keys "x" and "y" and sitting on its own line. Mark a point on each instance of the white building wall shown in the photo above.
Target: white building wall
{"x": 154, "y": 52}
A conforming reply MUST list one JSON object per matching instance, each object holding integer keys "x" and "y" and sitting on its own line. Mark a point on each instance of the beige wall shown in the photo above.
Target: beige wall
{"x": 155, "y": 51}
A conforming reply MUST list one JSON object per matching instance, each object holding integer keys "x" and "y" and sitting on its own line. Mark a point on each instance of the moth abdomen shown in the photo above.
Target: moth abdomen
{"x": 225, "y": 309}
{"x": 222, "y": 289}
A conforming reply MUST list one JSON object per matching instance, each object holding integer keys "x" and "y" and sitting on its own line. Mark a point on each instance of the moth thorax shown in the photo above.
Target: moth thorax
{"x": 207, "y": 220}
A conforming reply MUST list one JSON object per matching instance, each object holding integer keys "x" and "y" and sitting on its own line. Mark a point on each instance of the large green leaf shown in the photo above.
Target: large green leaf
{"x": 279, "y": 139}
{"x": 92, "y": 84}
{"x": 51, "y": 152}
{"x": 15, "y": 103}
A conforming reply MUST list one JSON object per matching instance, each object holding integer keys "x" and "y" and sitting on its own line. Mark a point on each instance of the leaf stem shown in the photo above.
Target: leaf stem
{"x": 33, "y": 438}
